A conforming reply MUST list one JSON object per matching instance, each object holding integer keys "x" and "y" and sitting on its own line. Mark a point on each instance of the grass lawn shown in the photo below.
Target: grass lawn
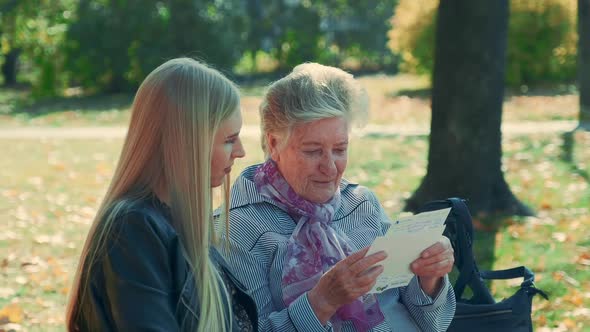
{"x": 394, "y": 100}
{"x": 49, "y": 191}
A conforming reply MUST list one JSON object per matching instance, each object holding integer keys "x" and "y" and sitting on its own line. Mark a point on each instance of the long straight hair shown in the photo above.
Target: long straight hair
{"x": 175, "y": 114}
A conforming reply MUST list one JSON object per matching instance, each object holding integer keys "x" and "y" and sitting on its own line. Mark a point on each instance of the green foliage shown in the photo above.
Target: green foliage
{"x": 329, "y": 31}
{"x": 111, "y": 45}
{"x": 114, "y": 44}
{"x": 412, "y": 35}
{"x": 36, "y": 28}
{"x": 541, "y": 39}
{"x": 358, "y": 30}
{"x": 299, "y": 39}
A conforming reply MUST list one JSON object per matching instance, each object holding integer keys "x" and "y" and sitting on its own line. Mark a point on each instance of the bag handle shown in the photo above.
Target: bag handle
{"x": 469, "y": 273}
{"x": 516, "y": 272}
{"x": 464, "y": 236}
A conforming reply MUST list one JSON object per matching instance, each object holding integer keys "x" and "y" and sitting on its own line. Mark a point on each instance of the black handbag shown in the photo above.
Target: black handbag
{"x": 481, "y": 312}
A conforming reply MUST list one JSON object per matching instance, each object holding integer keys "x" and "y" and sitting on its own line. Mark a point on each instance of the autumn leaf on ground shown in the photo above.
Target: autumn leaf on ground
{"x": 561, "y": 275}
{"x": 559, "y": 236}
{"x": 12, "y": 312}
{"x": 10, "y": 327}
{"x": 583, "y": 259}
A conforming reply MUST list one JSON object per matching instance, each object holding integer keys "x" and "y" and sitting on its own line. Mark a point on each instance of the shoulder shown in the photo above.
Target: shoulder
{"x": 259, "y": 223}
{"x": 361, "y": 216}
{"x": 140, "y": 221}
{"x": 354, "y": 192}
{"x": 247, "y": 204}
{"x": 253, "y": 217}
{"x": 142, "y": 245}
{"x": 356, "y": 199}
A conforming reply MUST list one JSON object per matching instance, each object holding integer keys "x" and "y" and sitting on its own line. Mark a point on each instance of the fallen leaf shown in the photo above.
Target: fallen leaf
{"x": 10, "y": 327}
{"x": 561, "y": 275}
{"x": 36, "y": 181}
{"x": 546, "y": 206}
{"x": 583, "y": 259}
{"x": 581, "y": 312}
{"x": 13, "y": 312}
{"x": 21, "y": 280}
{"x": 10, "y": 193}
{"x": 559, "y": 237}
{"x": 5, "y": 293}
{"x": 542, "y": 320}
{"x": 575, "y": 298}
{"x": 569, "y": 323}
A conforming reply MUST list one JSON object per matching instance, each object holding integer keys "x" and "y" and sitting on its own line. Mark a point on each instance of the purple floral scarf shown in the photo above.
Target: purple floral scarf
{"x": 314, "y": 247}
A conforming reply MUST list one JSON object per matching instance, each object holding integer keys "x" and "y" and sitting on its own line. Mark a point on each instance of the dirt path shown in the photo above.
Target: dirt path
{"x": 512, "y": 128}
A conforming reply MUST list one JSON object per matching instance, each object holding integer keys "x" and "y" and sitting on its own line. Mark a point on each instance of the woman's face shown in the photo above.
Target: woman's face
{"x": 314, "y": 157}
{"x": 227, "y": 146}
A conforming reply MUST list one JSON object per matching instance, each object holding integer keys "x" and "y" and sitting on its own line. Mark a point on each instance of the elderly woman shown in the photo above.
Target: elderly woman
{"x": 300, "y": 232}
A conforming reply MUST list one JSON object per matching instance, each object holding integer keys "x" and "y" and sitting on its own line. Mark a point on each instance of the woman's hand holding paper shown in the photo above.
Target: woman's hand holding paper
{"x": 433, "y": 264}
{"x": 346, "y": 281}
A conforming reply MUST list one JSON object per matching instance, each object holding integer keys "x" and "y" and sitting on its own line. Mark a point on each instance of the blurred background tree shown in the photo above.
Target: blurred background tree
{"x": 541, "y": 39}
{"x": 334, "y": 32}
{"x": 584, "y": 62}
{"x": 110, "y": 45}
{"x": 32, "y": 34}
{"x": 113, "y": 44}
{"x": 465, "y": 141}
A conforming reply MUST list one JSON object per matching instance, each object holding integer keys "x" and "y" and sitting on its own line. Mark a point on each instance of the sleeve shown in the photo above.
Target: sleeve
{"x": 367, "y": 219}
{"x": 430, "y": 314}
{"x": 137, "y": 278}
{"x": 255, "y": 275}
{"x": 384, "y": 221}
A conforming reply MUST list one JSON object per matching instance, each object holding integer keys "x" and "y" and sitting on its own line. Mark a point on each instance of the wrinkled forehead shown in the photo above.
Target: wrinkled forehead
{"x": 323, "y": 131}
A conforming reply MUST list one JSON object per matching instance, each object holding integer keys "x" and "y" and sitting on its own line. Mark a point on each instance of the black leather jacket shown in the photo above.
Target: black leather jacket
{"x": 144, "y": 282}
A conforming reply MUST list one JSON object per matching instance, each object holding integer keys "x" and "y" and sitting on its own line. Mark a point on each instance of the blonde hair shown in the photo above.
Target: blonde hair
{"x": 310, "y": 92}
{"x": 175, "y": 115}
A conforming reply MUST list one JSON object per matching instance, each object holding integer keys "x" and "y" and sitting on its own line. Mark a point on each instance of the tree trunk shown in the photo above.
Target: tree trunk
{"x": 464, "y": 157}
{"x": 10, "y": 67}
{"x": 584, "y": 62}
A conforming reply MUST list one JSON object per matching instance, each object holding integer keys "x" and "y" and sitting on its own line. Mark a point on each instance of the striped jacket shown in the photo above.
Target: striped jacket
{"x": 257, "y": 245}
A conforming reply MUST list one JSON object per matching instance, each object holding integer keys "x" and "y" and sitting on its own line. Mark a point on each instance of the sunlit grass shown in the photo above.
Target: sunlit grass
{"x": 50, "y": 190}
{"x": 398, "y": 100}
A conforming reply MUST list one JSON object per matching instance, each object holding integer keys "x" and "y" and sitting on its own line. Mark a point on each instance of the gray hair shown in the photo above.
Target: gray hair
{"x": 311, "y": 92}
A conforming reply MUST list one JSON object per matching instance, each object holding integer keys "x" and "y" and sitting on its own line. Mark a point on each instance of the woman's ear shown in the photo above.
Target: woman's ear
{"x": 273, "y": 144}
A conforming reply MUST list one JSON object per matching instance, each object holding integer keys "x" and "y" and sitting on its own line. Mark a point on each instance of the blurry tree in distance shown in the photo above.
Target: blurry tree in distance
{"x": 113, "y": 44}
{"x": 465, "y": 151}
{"x": 541, "y": 39}
{"x": 584, "y": 62}
{"x": 327, "y": 31}
{"x": 110, "y": 45}
{"x": 34, "y": 30}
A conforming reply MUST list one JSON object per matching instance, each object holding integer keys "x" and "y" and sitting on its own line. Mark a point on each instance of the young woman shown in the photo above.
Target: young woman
{"x": 148, "y": 262}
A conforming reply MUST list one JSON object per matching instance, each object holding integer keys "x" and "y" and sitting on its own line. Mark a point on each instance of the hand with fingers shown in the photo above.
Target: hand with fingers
{"x": 433, "y": 264}
{"x": 345, "y": 282}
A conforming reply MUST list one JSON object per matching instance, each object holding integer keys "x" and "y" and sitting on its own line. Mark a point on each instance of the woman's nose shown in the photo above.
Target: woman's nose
{"x": 238, "y": 151}
{"x": 328, "y": 164}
